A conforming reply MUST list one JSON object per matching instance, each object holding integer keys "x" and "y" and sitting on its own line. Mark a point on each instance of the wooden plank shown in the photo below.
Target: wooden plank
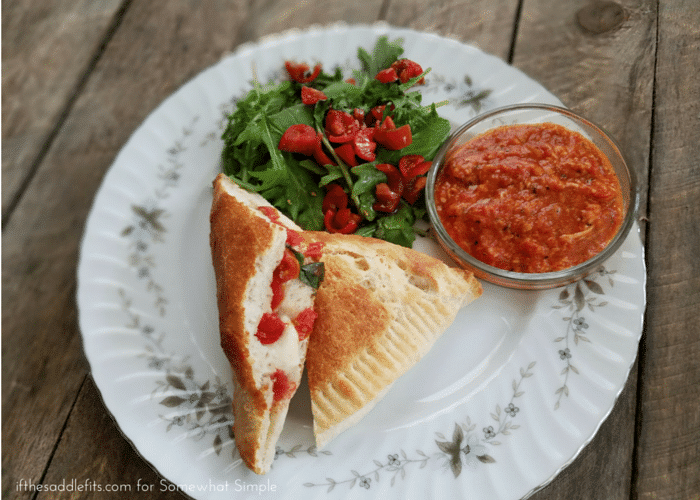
{"x": 488, "y": 25}
{"x": 159, "y": 46}
{"x": 668, "y": 455}
{"x": 608, "y": 77}
{"x": 46, "y": 49}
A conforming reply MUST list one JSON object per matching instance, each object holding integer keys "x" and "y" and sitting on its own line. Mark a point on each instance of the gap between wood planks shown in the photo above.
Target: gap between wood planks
{"x": 34, "y": 167}
{"x": 641, "y": 357}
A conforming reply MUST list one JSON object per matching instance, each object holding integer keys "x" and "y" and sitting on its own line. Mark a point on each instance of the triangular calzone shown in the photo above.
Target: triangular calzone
{"x": 380, "y": 309}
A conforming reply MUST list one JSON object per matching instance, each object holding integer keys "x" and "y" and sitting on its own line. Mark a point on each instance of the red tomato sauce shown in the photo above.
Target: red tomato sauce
{"x": 529, "y": 198}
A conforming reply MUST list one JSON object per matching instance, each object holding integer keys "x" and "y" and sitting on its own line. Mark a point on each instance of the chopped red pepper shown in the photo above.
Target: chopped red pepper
{"x": 340, "y": 126}
{"x": 412, "y": 166}
{"x": 391, "y": 137}
{"x": 414, "y": 189}
{"x": 387, "y": 200}
{"x": 364, "y": 144}
{"x": 346, "y": 152}
{"x": 310, "y": 96}
{"x": 387, "y": 75}
{"x": 282, "y": 388}
{"x": 407, "y": 69}
{"x": 270, "y": 328}
{"x": 304, "y": 322}
{"x": 335, "y": 198}
{"x": 299, "y": 138}
{"x": 299, "y": 72}
{"x": 343, "y": 221}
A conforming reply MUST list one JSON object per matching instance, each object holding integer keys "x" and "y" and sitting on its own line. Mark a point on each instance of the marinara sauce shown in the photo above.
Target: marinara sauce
{"x": 529, "y": 198}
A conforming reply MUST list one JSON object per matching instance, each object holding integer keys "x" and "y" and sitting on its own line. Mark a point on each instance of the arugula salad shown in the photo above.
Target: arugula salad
{"x": 341, "y": 153}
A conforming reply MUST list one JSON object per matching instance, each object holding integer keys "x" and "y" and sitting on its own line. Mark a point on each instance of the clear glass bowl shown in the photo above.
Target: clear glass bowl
{"x": 533, "y": 114}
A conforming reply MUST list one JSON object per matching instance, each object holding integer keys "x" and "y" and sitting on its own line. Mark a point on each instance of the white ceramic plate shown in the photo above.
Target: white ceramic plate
{"x": 506, "y": 398}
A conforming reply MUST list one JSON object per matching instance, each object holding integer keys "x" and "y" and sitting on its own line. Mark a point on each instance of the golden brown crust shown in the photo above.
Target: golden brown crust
{"x": 380, "y": 309}
{"x": 235, "y": 247}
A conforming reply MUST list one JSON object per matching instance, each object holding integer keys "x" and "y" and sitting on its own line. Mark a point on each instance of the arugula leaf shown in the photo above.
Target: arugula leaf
{"x": 312, "y": 274}
{"x": 384, "y": 53}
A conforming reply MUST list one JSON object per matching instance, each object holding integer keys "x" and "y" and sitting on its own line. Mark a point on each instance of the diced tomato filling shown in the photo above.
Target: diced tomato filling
{"x": 304, "y": 322}
{"x": 315, "y": 249}
{"x": 270, "y": 328}
{"x": 270, "y": 212}
{"x": 282, "y": 388}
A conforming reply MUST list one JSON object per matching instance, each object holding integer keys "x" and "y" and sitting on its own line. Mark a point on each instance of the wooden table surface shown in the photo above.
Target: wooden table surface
{"x": 78, "y": 76}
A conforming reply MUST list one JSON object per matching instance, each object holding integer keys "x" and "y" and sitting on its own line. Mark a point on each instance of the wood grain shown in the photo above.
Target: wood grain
{"x": 668, "y": 454}
{"x": 47, "y": 49}
{"x": 607, "y": 77}
{"x": 487, "y": 25}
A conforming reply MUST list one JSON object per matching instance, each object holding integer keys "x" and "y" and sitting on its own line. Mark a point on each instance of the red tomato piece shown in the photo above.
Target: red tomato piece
{"x": 300, "y": 138}
{"x": 270, "y": 212}
{"x": 346, "y": 152}
{"x": 394, "y": 178}
{"x": 299, "y": 72}
{"x": 282, "y": 387}
{"x": 288, "y": 268}
{"x": 343, "y": 221}
{"x": 375, "y": 115}
{"x": 304, "y": 322}
{"x": 335, "y": 198}
{"x": 310, "y": 96}
{"x": 414, "y": 189}
{"x": 270, "y": 329}
{"x": 293, "y": 238}
{"x": 412, "y": 166}
{"x": 393, "y": 138}
{"x": 277, "y": 293}
{"x": 387, "y": 75}
{"x": 364, "y": 145}
{"x": 387, "y": 200}
{"x": 315, "y": 250}
{"x": 320, "y": 155}
{"x": 340, "y": 126}
{"x": 407, "y": 69}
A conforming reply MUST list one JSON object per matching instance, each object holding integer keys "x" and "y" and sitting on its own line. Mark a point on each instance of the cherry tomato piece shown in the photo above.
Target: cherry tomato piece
{"x": 412, "y": 166}
{"x": 299, "y": 72}
{"x": 346, "y": 152}
{"x": 320, "y": 155}
{"x": 387, "y": 75}
{"x": 414, "y": 189}
{"x": 387, "y": 200}
{"x": 310, "y": 96}
{"x": 407, "y": 69}
{"x": 340, "y": 126}
{"x": 270, "y": 328}
{"x": 282, "y": 387}
{"x": 300, "y": 138}
{"x": 304, "y": 322}
{"x": 364, "y": 144}
{"x": 335, "y": 198}
{"x": 394, "y": 178}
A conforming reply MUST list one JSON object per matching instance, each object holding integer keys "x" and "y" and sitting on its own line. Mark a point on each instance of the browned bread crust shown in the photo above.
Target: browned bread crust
{"x": 380, "y": 309}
